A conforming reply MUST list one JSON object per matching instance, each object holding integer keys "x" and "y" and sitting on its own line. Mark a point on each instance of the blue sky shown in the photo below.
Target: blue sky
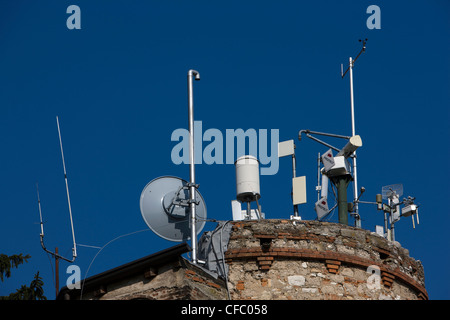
{"x": 118, "y": 86}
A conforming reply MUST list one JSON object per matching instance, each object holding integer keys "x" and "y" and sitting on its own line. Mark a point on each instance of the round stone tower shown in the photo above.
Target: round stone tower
{"x": 305, "y": 260}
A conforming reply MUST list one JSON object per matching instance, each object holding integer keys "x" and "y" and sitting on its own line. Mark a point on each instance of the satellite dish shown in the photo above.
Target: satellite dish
{"x": 391, "y": 190}
{"x": 165, "y": 208}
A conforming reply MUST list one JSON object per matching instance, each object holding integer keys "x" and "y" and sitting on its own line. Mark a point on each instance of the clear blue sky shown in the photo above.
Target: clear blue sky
{"x": 118, "y": 86}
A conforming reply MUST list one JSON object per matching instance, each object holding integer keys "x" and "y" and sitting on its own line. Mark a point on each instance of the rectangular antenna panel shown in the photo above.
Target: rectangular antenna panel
{"x": 379, "y": 230}
{"x": 328, "y": 160}
{"x": 321, "y": 208}
{"x": 409, "y": 210}
{"x": 239, "y": 214}
{"x": 299, "y": 190}
{"x": 285, "y": 148}
{"x": 236, "y": 209}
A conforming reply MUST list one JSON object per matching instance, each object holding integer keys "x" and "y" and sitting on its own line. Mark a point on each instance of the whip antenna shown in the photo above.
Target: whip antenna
{"x": 74, "y": 249}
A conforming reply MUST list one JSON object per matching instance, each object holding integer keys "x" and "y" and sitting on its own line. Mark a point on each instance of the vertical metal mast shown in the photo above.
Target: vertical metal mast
{"x": 74, "y": 249}
{"x": 355, "y": 176}
{"x": 294, "y": 174}
{"x": 67, "y": 191}
{"x": 192, "y": 185}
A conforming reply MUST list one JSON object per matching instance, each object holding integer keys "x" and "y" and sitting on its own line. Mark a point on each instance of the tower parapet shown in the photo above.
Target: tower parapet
{"x": 292, "y": 259}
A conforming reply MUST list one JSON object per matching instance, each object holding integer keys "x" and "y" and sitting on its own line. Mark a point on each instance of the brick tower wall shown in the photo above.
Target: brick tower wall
{"x": 304, "y": 260}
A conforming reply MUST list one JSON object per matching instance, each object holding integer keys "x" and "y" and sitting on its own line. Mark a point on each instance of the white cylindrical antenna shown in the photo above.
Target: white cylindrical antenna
{"x": 74, "y": 250}
{"x": 192, "y": 187}
{"x": 247, "y": 179}
{"x": 324, "y": 186}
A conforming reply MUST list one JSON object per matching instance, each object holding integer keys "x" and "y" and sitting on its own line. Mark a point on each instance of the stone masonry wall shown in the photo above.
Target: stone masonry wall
{"x": 177, "y": 281}
{"x": 289, "y": 259}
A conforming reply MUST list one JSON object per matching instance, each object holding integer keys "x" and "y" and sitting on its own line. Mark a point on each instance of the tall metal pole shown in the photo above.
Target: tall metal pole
{"x": 192, "y": 188}
{"x": 74, "y": 249}
{"x": 355, "y": 176}
{"x": 319, "y": 186}
{"x": 294, "y": 174}
{"x": 342, "y": 184}
{"x": 56, "y": 272}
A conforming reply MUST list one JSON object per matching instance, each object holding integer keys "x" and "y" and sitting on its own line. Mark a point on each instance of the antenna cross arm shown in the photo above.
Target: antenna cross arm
{"x": 55, "y": 254}
{"x": 321, "y": 134}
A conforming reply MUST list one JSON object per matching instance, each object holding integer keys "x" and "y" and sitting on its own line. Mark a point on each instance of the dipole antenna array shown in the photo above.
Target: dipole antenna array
{"x": 355, "y": 177}
{"x": 74, "y": 249}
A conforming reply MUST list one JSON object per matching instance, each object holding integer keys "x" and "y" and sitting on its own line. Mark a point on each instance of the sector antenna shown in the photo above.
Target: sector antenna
{"x": 165, "y": 208}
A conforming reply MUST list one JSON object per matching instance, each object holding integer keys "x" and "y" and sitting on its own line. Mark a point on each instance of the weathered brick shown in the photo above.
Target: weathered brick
{"x": 240, "y": 285}
{"x": 264, "y": 258}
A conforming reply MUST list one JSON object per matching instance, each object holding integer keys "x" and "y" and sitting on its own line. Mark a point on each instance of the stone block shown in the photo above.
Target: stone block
{"x": 328, "y": 289}
{"x": 296, "y": 280}
{"x": 358, "y": 235}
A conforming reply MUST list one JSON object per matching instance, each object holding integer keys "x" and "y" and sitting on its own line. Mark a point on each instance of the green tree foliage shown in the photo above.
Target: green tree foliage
{"x": 34, "y": 291}
{"x": 8, "y": 262}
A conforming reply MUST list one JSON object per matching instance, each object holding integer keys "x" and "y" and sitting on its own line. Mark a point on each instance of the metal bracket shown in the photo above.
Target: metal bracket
{"x": 185, "y": 202}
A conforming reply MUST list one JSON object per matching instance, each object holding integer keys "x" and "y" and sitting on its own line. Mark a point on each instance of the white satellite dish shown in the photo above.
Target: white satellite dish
{"x": 165, "y": 208}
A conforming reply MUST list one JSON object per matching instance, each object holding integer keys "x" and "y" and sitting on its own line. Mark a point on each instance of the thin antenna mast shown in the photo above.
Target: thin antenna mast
{"x": 74, "y": 249}
{"x": 355, "y": 178}
{"x": 67, "y": 191}
{"x": 192, "y": 185}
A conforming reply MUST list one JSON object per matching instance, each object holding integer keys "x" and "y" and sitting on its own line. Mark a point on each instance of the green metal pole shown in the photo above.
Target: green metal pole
{"x": 341, "y": 184}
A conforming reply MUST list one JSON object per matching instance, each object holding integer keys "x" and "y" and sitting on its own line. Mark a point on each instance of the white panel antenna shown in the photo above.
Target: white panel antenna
{"x": 299, "y": 190}
{"x": 287, "y": 148}
{"x": 328, "y": 160}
